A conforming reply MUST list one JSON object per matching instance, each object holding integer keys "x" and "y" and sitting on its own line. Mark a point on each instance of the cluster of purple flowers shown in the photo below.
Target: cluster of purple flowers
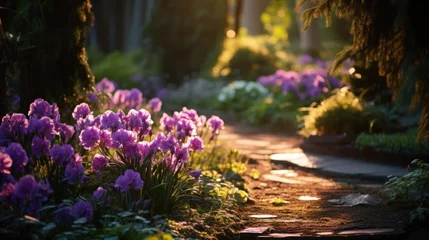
{"x": 66, "y": 214}
{"x": 55, "y": 143}
{"x": 305, "y": 85}
{"x": 121, "y": 98}
{"x": 27, "y": 194}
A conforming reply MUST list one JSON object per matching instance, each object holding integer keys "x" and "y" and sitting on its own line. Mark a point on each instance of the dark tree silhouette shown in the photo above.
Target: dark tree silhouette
{"x": 52, "y": 56}
{"x": 388, "y": 33}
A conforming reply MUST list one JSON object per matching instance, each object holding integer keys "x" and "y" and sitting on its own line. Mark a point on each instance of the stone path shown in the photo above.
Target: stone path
{"x": 308, "y": 201}
{"x": 285, "y": 150}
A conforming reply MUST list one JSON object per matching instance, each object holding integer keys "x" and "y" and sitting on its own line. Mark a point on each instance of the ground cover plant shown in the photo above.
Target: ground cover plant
{"x": 397, "y": 142}
{"x": 412, "y": 190}
{"x": 120, "y": 171}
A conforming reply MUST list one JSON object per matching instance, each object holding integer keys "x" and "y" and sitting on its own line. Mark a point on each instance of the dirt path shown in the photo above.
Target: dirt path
{"x": 307, "y": 211}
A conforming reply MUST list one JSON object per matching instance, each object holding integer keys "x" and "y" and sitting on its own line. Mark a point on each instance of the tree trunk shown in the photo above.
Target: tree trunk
{"x": 251, "y": 15}
{"x": 3, "y": 66}
{"x": 310, "y": 41}
{"x": 56, "y": 68}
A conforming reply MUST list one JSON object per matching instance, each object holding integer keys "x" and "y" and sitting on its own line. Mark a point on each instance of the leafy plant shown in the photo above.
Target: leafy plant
{"x": 344, "y": 113}
{"x": 412, "y": 190}
{"x": 398, "y": 142}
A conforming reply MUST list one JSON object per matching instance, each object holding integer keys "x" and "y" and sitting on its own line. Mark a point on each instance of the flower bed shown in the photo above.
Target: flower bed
{"x": 117, "y": 174}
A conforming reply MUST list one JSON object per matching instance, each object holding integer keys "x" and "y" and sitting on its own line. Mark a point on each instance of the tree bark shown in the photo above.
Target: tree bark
{"x": 56, "y": 68}
{"x": 310, "y": 38}
{"x": 251, "y": 16}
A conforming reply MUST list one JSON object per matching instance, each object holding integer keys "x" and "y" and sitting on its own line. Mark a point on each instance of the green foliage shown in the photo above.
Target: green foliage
{"x": 277, "y": 110}
{"x": 249, "y": 64}
{"x": 249, "y": 57}
{"x": 399, "y": 142}
{"x": 240, "y": 95}
{"x": 387, "y": 33}
{"x": 121, "y": 67}
{"x": 412, "y": 190}
{"x": 197, "y": 93}
{"x": 344, "y": 113}
{"x": 185, "y": 33}
{"x": 276, "y": 20}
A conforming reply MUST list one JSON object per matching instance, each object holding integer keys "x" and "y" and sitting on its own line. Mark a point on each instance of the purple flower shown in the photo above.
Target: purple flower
{"x": 134, "y": 99}
{"x": 105, "y": 85}
{"x": 196, "y": 174}
{"x": 164, "y": 143}
{"x": 43, "y": 127}
{"x": 137, "y": 77}
{"x": 139, "y": 121}
{"x": 39, "y": 146}
{"x": 181, "y": 155}
{"x": 28, "y": 194}
{"x": 75, "y": 172}
{"x": 189, "y": 114}
{"x": 162, "y": 93}
{"x": 5, "y": 162}
{"x": 186, "y": 128}
{"x": 130, "y": 179}
{"x": 110, "y": 120}
{"x": 155, "y": 104}
{"x": 305, "y": 59}
{"x": 99, "y": 193}
{"x": 99, "y": 162}
{"x": 40, "y": 108}
{"x": 195, "y": 143}
{"x": 66, "y": 131}
{"x": 19, "y": 124}
{"x": 61, "y": 154}
{"x": 123, "y": 138}
{"x": 105, "y": 138}
{"x": 6, "y": 193}
{"x": 267, "y": 81}
{"x": 321, "y": 64}
{"x": 92, "y": 97}
{"x": 81, "y": 111}
{"x": 203, "y": 120}
{"x": 89, "y": 137}
{"x": 18, "y": 156}
{"x": 131, "y": 150}
{"x": 63, "y": 216}
{"x": 143, "y": 148}
{"x": 167, "y": 122}
{"x": 215, "y": 124}
{"x": 289, "y": 87}
{"x": 82, "y": 210}
{"x": 119, "y": 97}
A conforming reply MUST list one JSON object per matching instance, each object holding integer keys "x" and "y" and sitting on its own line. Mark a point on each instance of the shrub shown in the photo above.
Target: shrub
{"x": 248, "y": 58}
{"x": 240, "y": 95}
{"x": 344, "y": 113}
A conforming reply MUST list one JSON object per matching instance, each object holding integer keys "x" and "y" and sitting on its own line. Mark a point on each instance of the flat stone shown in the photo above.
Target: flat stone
{"x": 276, "y": 178}
{"x": 251, "y": 142}
{"x": 284, "y": 173}
{"x": 325, "y": 233}
{"x": 337, "y": 164}
{"x": 255, "y": 230}
{"x": 284, "y": 235}
{"x": 366, "y": 231}
{"x": 308, "y": 198}
{"x": 263, "y": 216}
